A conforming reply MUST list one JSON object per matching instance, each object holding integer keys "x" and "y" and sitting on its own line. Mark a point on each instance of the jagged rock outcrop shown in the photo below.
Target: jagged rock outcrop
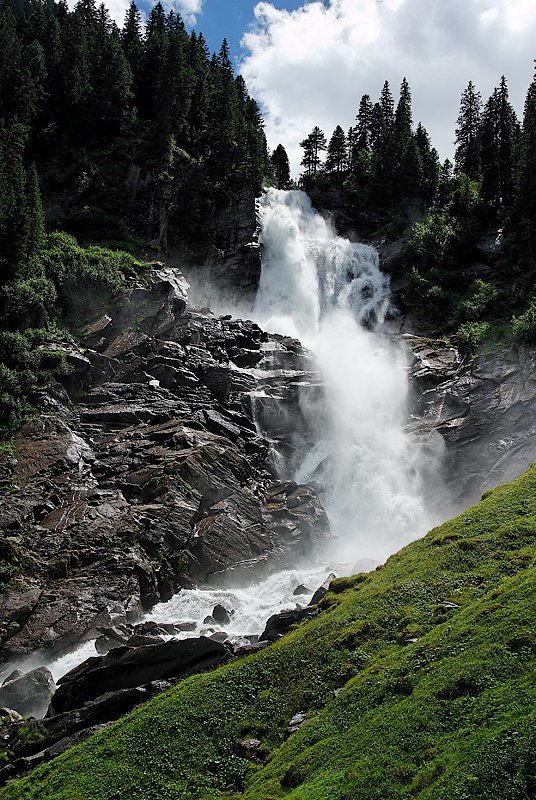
{"x": 484, "y": 409}
{"x": 145, "y": 472}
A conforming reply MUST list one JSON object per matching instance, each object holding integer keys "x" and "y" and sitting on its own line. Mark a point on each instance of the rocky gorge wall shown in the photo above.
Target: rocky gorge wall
{"x": 144, "y": 472}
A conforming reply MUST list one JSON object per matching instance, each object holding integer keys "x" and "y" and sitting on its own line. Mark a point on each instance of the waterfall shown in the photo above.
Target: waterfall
{"x": 331, "y": 295}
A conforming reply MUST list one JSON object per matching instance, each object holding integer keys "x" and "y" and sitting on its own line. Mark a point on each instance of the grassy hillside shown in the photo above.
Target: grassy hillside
{"x": 435, "y": 657}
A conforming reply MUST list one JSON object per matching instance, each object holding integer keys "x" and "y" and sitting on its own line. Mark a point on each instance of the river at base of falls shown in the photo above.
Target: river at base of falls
{"x": 250, "y": 607}
{"x": 369, "y": 474}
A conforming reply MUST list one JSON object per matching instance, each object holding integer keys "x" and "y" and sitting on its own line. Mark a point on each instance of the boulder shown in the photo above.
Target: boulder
{"x": 322, "y": 590}
{"x": 281, "y": 623}
{"x": 125, "y": 668}
{"x": 220, "y": 615}
{"x": 29, "y": 694}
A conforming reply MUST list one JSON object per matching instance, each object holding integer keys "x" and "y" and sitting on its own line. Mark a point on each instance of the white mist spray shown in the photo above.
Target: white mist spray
{"x": 330, "y": 294}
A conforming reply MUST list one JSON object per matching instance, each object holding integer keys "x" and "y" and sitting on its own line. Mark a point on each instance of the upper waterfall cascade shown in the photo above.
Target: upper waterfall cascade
{"x": 330, "y": 293}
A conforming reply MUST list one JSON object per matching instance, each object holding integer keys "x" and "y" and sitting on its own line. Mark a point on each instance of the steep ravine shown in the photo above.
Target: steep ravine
{"x": 146, "y": 472}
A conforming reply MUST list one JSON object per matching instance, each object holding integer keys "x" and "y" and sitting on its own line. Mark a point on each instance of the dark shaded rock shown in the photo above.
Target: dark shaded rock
{"x": 322, "y": 590}
{"x": 17, "y": 673}
{"x": 219, "y": 636}
{"x": 125, "y": 668}
{"x": 30, "y": 694}
{"x": 159, "y": 479}
{"x": 138, "y": 640}
{"x": 221, "y": 615}
{"x": 281, "y": 623}
{"x": 301, "y": 589}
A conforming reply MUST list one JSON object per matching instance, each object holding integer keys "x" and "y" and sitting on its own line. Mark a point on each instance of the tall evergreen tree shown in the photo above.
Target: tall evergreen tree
{"x": 387, "y": 106}
{"x": 525, "y": 209}
{"x": 336, "y": 153}
{"x": 364, "y": 123}
{"x": 468, "y": 142}
{"x": 499, "y": 134}
{"x": 403, "y": 123}
{"x": 280, "y": 166}
{"x": 313, "y": 145}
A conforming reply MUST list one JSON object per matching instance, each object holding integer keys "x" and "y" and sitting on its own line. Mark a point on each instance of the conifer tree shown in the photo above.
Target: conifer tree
{"x": 468, "y": 142}
{"x": 33, "y": 220}
{"x": 364, "y": 123}
{"x": 313, "y": 145}
{"x": 387, "y": 106}
{"x": 525, "y": 209}
{"x": 499, "y": 133}
{"x": 280, "y": 165}
{"x": 429, "y": 161}
{"x": 336, "y": 153}
{"x": 403, "y": 119}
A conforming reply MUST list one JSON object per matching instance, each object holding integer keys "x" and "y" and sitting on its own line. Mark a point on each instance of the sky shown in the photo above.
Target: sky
{"x": 309, "y": 62}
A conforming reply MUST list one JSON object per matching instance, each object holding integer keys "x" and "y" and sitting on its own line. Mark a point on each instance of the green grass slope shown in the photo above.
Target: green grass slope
{"x": 434, "y": 655}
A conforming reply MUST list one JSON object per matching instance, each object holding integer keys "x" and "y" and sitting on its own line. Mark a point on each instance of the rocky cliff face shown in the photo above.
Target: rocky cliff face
{"x": 484, "y": 410}
{"x": 144, "y": 471}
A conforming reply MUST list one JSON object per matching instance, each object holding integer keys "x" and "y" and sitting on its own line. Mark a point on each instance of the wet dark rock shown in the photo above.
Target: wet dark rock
{"x": 125, "y": 668}
{"x": 281, "y": 623}
{"x": 483, "y": 411}
{"x": 219, "y": 636}
{"x": 29, "y": 694}
{"x": 301, "y": 589}
{"x": 322, "y": 591}
{"x": 220, "y": 615}
{"x": 158, "y": 480}
{"x": 17, "y": 673}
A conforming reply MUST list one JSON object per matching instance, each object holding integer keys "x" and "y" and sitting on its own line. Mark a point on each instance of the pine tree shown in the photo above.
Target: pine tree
{"x": 132, "y": 43}
{"x": 409, "y": 173}
{"x": 33, "y": 220}
{"x": 387, "y": 106}
{"x": 313, "y": 145}
{"x": 429, "y": 161}
{"x": 280, "y": 166}
{"x": 524, "y": 223}
{"x": 377, "y": 126}
{"x": 403, "y": 119}
{"x": 364, "y": 123}
{"x": 468, "y": 142}
{"x": 499, "y": 134}
{"x": 336, "y": 154}
{"x": 13, "y": 227}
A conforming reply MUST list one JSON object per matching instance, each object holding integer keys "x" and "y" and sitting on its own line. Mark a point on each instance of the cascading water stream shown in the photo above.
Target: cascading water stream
{"x": 331, "y": 295}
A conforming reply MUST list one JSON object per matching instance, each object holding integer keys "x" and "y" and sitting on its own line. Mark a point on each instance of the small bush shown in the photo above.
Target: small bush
{"x": 471, "y": 335}
{"x": 524, "y": 326}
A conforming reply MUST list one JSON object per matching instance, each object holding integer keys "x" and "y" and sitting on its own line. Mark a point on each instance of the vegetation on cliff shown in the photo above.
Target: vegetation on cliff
{"x": 127, "y": 138}
{"x": 387, "y": 166}
{"x": 418, "y": 681}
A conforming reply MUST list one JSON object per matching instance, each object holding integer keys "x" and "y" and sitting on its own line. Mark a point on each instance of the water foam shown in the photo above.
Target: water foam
{"x": 330, "y": 294}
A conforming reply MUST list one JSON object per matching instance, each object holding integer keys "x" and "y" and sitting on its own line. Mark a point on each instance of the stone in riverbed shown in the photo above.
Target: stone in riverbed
{"x": 220, "y": 615}
{"x": 30, "y": 694}
{"x": 126, "y": 668}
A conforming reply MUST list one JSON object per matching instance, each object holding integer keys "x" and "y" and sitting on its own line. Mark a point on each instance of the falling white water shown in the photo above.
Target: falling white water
{"x": 331, "y": 295}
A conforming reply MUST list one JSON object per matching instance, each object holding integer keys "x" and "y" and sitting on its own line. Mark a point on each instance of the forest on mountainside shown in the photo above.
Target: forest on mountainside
{"x": 386, "y": 173}
{"x": 126, "y": 139}
{"x": 119, "y": 144}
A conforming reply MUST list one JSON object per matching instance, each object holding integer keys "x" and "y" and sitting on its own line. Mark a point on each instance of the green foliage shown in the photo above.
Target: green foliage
{"x": 432, "y": 701}
{"x": 430, "y": 243}
{"x": 471, "y": 334}
{"x": 524, "y": 326}
{"x": 478, "y": 300}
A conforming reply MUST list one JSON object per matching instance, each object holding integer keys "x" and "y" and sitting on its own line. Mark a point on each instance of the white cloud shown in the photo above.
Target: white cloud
{"x": 311, "y": 66}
